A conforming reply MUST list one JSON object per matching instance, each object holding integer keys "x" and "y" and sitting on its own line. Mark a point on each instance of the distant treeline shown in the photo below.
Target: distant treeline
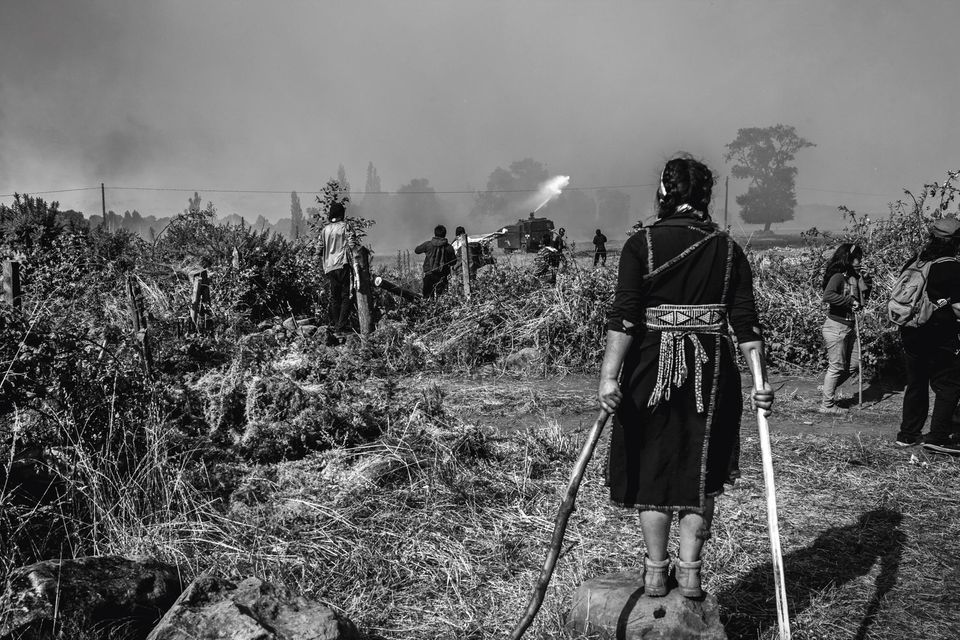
{"x": 147, "y": 227}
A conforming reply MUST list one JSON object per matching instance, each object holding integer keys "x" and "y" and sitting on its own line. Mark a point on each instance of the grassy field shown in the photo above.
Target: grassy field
{"x": 438, "y": 530}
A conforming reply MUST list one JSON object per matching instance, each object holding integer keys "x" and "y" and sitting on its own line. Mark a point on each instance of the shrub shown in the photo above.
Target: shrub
{"x": 788, "y": 291}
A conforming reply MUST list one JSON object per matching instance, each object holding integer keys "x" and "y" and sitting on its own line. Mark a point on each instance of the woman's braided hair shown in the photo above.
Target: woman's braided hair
{"x": 684, "y": 181}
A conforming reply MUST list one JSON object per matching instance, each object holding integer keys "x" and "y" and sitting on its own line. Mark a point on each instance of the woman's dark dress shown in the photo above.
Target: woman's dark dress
{"x": 672, "y": 455}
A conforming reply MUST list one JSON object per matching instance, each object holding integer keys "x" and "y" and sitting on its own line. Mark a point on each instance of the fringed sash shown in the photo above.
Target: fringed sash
{"x": 676, "y": 322}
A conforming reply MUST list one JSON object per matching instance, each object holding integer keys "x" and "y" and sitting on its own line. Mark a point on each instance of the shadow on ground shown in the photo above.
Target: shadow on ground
{"x": 837, "y": 556}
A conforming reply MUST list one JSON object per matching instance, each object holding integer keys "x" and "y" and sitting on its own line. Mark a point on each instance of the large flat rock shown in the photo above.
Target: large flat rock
{"x": 614, "y": 605}
{"x": 213, "y": 608}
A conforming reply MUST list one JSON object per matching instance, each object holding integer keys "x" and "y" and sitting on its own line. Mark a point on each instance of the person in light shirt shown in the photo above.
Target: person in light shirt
{"x": 335, "y": 244}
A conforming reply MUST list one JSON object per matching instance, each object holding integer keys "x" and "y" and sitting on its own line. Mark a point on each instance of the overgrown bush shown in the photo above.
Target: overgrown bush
{"x": 253, "y": 274}
{"x": 788, "y": 284}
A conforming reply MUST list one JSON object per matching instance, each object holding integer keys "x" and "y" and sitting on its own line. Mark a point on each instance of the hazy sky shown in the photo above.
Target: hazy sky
{"x": 216, "y": 94}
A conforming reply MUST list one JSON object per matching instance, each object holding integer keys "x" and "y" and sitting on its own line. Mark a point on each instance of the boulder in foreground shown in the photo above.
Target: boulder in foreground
{"x": 615, "y": 606}
{"x": 212, "y": 607}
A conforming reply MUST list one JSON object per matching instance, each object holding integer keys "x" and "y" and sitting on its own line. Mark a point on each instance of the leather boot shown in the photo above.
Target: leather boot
{"x": 655, "y": 577}
{"x": 688, "y": 579}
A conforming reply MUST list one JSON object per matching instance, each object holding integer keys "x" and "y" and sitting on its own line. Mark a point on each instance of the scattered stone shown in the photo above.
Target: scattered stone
{"x": 523, "y": 358}
{"x": 291, "y": 326}
{"x": 615, "y": 605}
{"x": 252, "y": 610}
{"x": 352, "y": 473}
{"x": 83, "y": 592}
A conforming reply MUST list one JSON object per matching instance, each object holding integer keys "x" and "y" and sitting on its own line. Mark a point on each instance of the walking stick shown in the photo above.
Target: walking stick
{"x": 856, "y": 328}
{"x": 560, "y": 526}
{"x": 766, "y": 457}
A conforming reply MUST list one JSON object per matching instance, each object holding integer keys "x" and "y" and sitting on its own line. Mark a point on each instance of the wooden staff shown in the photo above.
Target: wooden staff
{"x": 773, "y": 525}
{"x": 465, "y": 265}
{"x": 856, "y": 328}
{"x": 560, "y": 526}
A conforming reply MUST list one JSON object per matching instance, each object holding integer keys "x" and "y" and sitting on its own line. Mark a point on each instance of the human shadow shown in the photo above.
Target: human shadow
{"x": 873, "y": 393}
{"x": 838, "y": 555}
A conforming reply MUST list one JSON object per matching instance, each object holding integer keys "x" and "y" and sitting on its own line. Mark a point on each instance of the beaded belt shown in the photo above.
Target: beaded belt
{"x": 676, "y": 322}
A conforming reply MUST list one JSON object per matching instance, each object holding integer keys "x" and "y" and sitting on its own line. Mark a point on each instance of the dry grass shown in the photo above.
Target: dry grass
{"x": 512, "y": 310}
{"x": 439, "y": 529}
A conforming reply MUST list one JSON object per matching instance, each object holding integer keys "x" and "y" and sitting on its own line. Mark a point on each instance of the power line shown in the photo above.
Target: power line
{"x": 852, "y": 193}
{"x": 366, "y": 193}
{"x": 309, "y": 191}
{"x": 37, "y": 193}
{"x": 382, "y": 193}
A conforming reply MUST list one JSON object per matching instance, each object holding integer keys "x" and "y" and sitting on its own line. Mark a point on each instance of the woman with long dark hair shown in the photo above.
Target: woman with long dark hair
{"x": 670, "y": 376}
{"x": 844, "y": 291}
{"x": 931, "y": 351}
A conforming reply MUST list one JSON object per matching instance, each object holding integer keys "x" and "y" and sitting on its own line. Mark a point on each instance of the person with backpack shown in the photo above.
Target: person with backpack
{"x": 437, "y": 263}
{"x": 925, "y": 304}
{"x": 844, "y": 291}
{"x": 670, "y": 376}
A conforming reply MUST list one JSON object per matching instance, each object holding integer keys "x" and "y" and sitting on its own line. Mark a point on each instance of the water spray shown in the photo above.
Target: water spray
{"x": 551, "y": 189}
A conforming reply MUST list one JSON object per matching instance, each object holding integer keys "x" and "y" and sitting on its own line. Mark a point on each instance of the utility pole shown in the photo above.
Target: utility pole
{"x": 726, "y": 202}
{"x": 103, "y": 204}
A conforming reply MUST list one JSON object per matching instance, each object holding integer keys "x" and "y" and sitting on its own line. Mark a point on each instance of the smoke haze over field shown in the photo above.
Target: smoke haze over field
{"x": 275, "y": 96}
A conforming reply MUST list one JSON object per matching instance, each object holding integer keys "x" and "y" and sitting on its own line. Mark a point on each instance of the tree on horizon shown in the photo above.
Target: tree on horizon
{"x": 342, "y": 179}
{"x": 296, "y": 216}
{"x": 763, "y": 155}
{"x": 373, "y": 180}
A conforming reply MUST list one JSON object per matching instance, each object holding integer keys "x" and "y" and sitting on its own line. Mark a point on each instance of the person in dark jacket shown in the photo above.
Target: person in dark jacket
{"x": 670, "y": 376}
{"x": 932, "y": 351}
{"x": 437, "y": 263}
{"x": 844, "y": 290}
{"x": 600, "y": 248}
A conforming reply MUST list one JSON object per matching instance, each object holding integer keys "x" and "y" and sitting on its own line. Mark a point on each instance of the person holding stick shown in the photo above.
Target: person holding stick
{"x": 845, "y": 290}
{"x": 669, "y": 375}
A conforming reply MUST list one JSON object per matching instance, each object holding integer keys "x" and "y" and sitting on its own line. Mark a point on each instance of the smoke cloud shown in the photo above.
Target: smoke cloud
{"x": 275, "y": 96}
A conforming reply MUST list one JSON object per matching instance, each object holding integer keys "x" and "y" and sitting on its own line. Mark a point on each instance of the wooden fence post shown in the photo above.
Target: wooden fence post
{"x": 139, "y": 321}
{"x": 361, "y": 269}
{"x": 200, "y": 301}
{"x": 465, "y": 265}
{"x": 11, "y": 283}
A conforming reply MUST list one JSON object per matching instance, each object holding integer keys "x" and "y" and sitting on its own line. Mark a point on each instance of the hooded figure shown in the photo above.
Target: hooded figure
{"x": 438, "y": 262}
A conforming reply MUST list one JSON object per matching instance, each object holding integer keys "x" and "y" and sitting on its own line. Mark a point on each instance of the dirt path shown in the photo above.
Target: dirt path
{"x": 516, "y": 402}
